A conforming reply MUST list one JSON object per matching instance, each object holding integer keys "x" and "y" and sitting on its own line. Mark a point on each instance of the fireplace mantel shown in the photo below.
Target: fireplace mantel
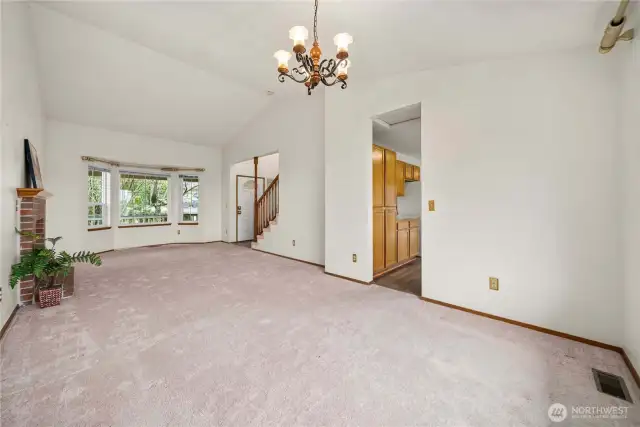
{"x": 28, "y": 192}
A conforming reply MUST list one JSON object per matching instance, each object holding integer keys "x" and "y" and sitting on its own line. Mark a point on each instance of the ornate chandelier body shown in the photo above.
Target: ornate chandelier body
{"x": 312, "y": 71}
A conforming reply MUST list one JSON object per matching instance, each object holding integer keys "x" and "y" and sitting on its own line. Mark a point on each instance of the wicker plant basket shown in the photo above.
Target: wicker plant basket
{"x": 50, "y": 296}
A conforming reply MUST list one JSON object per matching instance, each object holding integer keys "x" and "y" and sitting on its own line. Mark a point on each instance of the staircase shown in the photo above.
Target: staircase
{"x": 266, "y": 212}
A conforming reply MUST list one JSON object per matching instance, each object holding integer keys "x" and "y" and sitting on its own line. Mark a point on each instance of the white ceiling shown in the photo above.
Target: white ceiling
{"x": 401, "y": 115}
{"x": 197, "y": 72}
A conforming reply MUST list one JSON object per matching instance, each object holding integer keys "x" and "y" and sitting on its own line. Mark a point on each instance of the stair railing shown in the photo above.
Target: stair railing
{"x": 268, "y": 206}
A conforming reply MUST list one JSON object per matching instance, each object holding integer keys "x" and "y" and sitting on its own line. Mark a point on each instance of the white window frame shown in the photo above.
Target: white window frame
{"x": 181, "y": 212}
{"x": 106, "y": 197}
{"x": 142, "y": 174}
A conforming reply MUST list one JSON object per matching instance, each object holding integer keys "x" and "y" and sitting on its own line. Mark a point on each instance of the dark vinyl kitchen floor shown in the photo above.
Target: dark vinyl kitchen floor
{"x": 405, "y": 279}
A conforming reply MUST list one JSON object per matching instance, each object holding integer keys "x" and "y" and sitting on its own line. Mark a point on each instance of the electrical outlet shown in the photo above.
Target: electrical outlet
{"x": 494, "y": 284}
{"x": 178, "y": 231}
{"x": 355, "y": 258}
{"x": 432, "y": 205}
{"x": 293, "y": 242}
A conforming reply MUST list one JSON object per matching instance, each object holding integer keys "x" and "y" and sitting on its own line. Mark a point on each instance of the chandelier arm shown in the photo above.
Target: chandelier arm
{"x": 302, "y": 59}
{"x": 290, "y": 75}
{"x": 305, "y": 61}
{"x": 336, "y": 80}
{"x": 326, "y": 67}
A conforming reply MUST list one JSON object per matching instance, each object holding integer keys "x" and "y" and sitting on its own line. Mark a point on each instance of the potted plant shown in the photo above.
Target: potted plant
{"x": 49, "y": 269}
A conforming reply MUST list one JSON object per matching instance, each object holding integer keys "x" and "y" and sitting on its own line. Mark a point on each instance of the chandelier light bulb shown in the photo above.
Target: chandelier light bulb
{"x": 299, "y": 35}
{"x": 342, "y": 41}
{"x": 283, "y": 60}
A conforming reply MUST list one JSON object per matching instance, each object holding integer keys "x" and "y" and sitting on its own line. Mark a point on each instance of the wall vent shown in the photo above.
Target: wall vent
{"x": 612, "y": 385}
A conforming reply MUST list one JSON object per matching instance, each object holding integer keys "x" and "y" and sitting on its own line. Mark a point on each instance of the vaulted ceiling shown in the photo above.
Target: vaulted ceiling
{"x": 198, "y": 72}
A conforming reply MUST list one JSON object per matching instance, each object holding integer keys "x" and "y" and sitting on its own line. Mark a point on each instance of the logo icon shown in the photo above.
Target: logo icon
{"x": 557, "y": 412}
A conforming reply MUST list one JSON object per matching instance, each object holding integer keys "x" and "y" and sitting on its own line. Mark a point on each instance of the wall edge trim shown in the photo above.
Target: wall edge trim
{"x": 7, "y": 324}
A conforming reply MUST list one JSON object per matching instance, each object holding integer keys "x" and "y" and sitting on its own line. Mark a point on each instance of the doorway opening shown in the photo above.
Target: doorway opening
{"x": 397, "y": 199}
{"x": 247, "y": 177}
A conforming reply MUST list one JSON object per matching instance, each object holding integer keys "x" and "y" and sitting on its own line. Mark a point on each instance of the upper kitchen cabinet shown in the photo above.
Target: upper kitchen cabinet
{"x": 408, "y": 172}
{"x": 416, "y": 173}
{"x": 400, "y": 178}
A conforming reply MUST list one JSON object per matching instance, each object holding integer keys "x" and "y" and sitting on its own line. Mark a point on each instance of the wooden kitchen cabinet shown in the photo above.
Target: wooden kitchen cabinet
{"x": 378, "y": 176}
{"x": 416, "y": 173}
{"x": 414, "y": 242}
{"x": 390, "y": 236}
{"x": 408, "y": 172}
{"x": 378, "y": 239}
{"x": 400, "y": 178}
{"x": 390, "y": 193}
{"x": 403, "y": 244}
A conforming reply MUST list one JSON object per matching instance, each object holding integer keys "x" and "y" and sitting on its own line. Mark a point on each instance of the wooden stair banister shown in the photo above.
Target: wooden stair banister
{"x": 268, "y": 205}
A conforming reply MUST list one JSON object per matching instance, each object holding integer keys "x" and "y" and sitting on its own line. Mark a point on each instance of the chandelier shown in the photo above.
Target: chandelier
{"x": 311, "y": 70}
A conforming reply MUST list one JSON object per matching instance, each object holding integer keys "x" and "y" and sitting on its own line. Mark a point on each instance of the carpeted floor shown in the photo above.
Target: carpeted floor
{"x": 219, "y": 335}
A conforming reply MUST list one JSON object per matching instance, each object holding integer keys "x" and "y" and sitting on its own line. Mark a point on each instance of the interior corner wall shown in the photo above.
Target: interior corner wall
{"x": 22, "y": 118}
{"x": 294, "y": 128}
{"x": 631, "y": 229}
{"x": 519, "y": 157}
{"x": 67, "y": 180}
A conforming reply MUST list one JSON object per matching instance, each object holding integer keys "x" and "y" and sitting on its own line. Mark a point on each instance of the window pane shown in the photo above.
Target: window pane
{"x": 143, "y": 199}
{"x": 98, "y": 197}
{"x": 190, "y": 199}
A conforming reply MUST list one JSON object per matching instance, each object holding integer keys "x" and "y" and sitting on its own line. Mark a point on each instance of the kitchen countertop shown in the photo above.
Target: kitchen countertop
{"x": 407, "y": 217}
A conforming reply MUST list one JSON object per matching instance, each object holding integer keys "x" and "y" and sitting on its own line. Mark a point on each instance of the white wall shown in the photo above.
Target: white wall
{"x": 631, "y": 198}
{"x": 268, "y": 166}
{"x": 409, "y": 205}
{"x": 519, "y": 157}
{"x": 22, "y": 118}
{"x": 67, "y": 210}
{"x": 293, "y": 128}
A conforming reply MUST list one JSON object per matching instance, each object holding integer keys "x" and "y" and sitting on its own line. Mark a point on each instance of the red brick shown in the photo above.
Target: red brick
{"x": 26, "y": 291}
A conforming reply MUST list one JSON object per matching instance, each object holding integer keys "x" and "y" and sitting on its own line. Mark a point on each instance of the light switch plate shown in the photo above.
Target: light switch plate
{"x": 494, "y": 284}
{"x": 432, "y": 205}
{"x": 355, "y": 258}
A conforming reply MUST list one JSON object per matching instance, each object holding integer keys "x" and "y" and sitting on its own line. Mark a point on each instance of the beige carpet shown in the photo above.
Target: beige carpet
{"x": 219, "y": 335}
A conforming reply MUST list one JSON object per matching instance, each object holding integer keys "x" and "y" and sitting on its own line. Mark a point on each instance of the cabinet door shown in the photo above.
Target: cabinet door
{"x": 403, "y": 245}
{"x": 408, "y": 172}
{"x": 391, "y": 237}
{"x": 416, "y": 173}
{"x": 414, "y": 242}
{"x": 400, "y": 178}
{"x": 378, "y": 176}
{"x": 390, "y": 193}
{"x": 378, "y": 239}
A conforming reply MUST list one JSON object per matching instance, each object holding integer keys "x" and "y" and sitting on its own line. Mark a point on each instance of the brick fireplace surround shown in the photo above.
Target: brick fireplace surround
{"x": 33, "y": 210}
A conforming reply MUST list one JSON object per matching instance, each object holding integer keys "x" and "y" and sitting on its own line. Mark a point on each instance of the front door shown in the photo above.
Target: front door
{"x": 244, "y": 209}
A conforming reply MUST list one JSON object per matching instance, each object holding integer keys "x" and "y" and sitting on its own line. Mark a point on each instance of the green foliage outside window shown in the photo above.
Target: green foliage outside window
{"x": 143, "y": 199}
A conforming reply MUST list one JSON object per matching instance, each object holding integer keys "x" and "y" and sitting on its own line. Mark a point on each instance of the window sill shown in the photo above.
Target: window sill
{"x": 98, "y": 228}
{"x": 187, "y": 223}
{"x": 160, "y": 224}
